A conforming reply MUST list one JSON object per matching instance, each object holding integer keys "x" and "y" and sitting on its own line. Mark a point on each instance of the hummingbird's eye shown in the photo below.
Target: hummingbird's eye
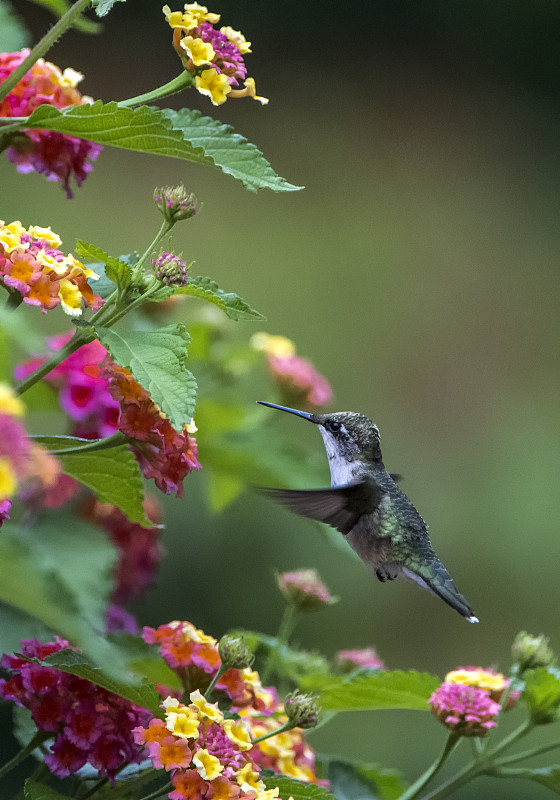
{"x": 333, "y": 425}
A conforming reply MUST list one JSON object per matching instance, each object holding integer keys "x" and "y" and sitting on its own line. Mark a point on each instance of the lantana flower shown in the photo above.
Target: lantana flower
{"x": 32, "y": 264}
{"x": 305, "y": 589}
{"x": 89, "y": 725}
{"x": 365, "y": 658}
{"x": 58, "y": 156}
{"x": 465, "y": 710}
{"x": 297, "y": 378}
{"x": 492, "y": 682}
{"x": 213, "y": 57}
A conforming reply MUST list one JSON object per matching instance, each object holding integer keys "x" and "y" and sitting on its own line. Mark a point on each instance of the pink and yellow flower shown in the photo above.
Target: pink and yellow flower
{"x": 463, "y": 709}
{"x": 58, "y": 156}
{"x": 492, "y": 682}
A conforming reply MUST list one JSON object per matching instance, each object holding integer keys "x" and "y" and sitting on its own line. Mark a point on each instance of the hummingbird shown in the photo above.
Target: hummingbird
{"x": 367, "y": 506}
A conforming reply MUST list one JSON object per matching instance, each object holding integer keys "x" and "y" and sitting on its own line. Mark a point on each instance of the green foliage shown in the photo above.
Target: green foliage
{"x": 289, "y": 787}
{"x": 230, "y": 151}
{"x": 13, "y": 34}
{"x": 157, "y": 361}
{"x": 112, "y": 474}
{"x": 547, "y": 776}
{"x": 295, "y": 664}
{"x": 542, "y": 694}
{"x": 398, "y": 689}
{"x": 103, "y": 7}
{"x": 234, "y": 306}
{"x": 59, "y": 7}
{"x": 40, "y": 791}
{"x": 116, "y": 270}
{"x": 16, "y": 625}
{"x": 145, "y": 695}
{"x": 350, "y": 781}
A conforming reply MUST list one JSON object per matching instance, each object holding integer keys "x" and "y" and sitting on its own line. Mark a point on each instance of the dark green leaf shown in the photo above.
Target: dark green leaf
{"x": 157, "y": 361}
{"x": 234, "y": 306}
{"x": 13, "y": 33}
{"x": 59, "y": 7}
{"x": 116, "y": 270}
{"x": 24, "y": 729}
{"x": 542, "y": 693}
{"x": 289, "y": 787}
{"x": 229, "y": 151}
{"x": 547, "y": 776}
{"x": 103, "y": 7}
{"x": 145, "y": 695}
{"x": 40, "y": 791}
{"x": 410, "y": 690}
{"x": 350, "y": 781}
{"x": 112, "y": 474}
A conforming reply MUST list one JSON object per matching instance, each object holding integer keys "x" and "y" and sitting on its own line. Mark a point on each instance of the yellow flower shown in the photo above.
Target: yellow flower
{"x": 46, "y": 233}
{"x": 199, "y": 51}
{"x": 237, "y": 38}
{"x": 214, "y": 85}
{"x": 248, "y": 779}
{"x": 208, "y": 766}
{"x": 70, "y": 298}
{"x": 273, "y": 345}
{"x": 201, "y": 13}
{"x": 183, "y": 723}
{"x": 10, "y": 236}
{"x": 209, "y": 710}
{"x": 70, "y": 77}
{"x": 480, "y": 678}
{"x": 8, "y": 481}
{"x": 177, "y": 19}
{"x": 10, "y": 402}
{"x": 268, "y": 794}
{"x": 237, "y": 733}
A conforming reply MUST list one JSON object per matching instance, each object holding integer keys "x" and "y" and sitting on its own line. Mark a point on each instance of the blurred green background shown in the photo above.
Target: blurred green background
{"x": 418, "y": 270}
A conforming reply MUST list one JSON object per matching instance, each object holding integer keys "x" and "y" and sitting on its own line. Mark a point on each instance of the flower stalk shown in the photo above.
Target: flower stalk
{"x": 182, "y": 81}
{"x": 26, "y": 751}
{"x": 414, "y": 790}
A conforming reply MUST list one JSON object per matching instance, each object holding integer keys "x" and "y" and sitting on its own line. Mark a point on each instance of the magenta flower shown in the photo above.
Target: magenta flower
{"x": 365, "y": 658}
{"x": 465, "y": 710}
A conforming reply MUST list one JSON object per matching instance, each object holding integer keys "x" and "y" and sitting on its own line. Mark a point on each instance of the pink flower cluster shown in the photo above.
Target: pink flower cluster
{"x": 300, "y": 381}
{"x": 466, "y": 710}
{"x": 194, "y": 657}
{"x": 103, "y": 398}
{"x": 55, "y": 155}
{"x": 305, "y": 589}
{"x": 365, "y": 658}
{"x": 89, "y": 724}
{"x": 15, "y": 453}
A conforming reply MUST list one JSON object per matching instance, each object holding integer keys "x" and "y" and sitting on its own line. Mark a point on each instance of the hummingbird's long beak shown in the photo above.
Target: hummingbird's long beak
{"x": 304, "y": 414}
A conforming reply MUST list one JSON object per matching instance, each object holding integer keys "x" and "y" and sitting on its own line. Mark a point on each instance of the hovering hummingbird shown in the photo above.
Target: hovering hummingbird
{"x": 365, "y": 504}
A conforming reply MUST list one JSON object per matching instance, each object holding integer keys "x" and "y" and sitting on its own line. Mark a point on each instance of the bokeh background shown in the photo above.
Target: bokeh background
{"x": 418, "y": 269}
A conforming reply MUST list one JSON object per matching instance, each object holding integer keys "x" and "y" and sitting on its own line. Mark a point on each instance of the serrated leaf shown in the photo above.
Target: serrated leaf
{"x": 350, "y": 781}
{"x": 289, "y": 787}
{"x": 229, "y": 150}
{"x": 103, "y": 7}
{"x": 547, "y": 776}
{"x": 157, "y": 361}
{"x": 116, "y": 270}
{"x": 231, "y": 304}
{"x": 542, "y": 693}
{"x": 40, "y": 791}
{"x": 398, "y": 689}
{"x": 13, "y": 33}
{"x": 145, "y": 695}
{"x": 59, "y": 7}
{"x": 113, "y": 474}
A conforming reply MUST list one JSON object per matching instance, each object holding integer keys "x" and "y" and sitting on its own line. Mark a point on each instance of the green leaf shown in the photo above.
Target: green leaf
{"x": 15, "y": 625}
{"x": 73, "y": 662}
{"x": 349, "y": 781}
{"x": 542, "y": 693}
{"x": 13, "y": 33}
{"x": 410, "y": 690}
{"x": 61, "y": 572}
{"x": 103, "y": 7}
{"x": 40, "y": 791}
{"x": 113, "y": 474}
{"x": 547, "y": 776}
{"x": 116, "y": 270}
{"x": 144, "y": 659}
{"x": 229, "y": 151}
{"x": 144, "y": 130}
{"x": 59, "y": 7}
{"x": 289, "y": 787}
{"x": 234, "y": 306}
{"x": 157, "y": 361}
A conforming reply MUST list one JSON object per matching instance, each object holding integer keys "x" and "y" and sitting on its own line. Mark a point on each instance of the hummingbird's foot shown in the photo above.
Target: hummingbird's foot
{"x": 383, "y": 576}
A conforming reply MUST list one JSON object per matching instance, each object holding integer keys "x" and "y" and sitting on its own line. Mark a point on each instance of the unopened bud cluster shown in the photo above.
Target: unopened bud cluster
{"x": 302, "y": 710}
{"x": 530, "y": 652}
{"x": 175, "y": 203}
{"x": 171, "y": 269}
{"x": 234, "y": 652}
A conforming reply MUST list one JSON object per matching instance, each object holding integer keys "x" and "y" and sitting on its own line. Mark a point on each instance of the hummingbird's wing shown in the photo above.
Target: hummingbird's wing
{"x": 339, "y": 506}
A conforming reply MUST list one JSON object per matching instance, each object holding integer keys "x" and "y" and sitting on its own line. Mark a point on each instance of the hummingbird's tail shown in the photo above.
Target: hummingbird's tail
{"x": 438, "y": 581}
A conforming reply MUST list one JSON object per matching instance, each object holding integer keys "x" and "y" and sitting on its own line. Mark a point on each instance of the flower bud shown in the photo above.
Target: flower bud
{"x": 171, "y": 269}
{"x": 175, "y": 203}
{"x": 234, "y": 652}
{"x": 302, "y": 710}
{"x": 530, "y": 652}
{"x": 304, "y": 589}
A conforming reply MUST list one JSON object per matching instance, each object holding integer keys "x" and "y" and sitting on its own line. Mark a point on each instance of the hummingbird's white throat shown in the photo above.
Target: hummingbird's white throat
{"x": 344, "y": 469}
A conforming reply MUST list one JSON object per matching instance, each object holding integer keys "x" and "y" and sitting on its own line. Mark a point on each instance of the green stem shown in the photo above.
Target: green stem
{"x": 57, "y": 358}
{"x": 96, "y": 786}
{"x": 534, "y": 751}
{"x": 26, "y": 751}
{"x": 214, "y": 681}
{"x": 414, "y": 790}
{"x": 13, "y": 301}
{"x": 287, "y": 625}
{"x": 287, "y": 726}
{"x": 522, "y": 730}
{"x": 91, "y": 445}
{"x": 182, "y": 81}
{"x": 43, "y": 46}
{"x": 157, "y": 793}
{"x": 165, "y": 227}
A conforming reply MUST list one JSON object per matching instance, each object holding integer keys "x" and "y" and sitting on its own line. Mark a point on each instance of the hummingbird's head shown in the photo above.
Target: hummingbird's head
{"x": 348, "y": 437}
